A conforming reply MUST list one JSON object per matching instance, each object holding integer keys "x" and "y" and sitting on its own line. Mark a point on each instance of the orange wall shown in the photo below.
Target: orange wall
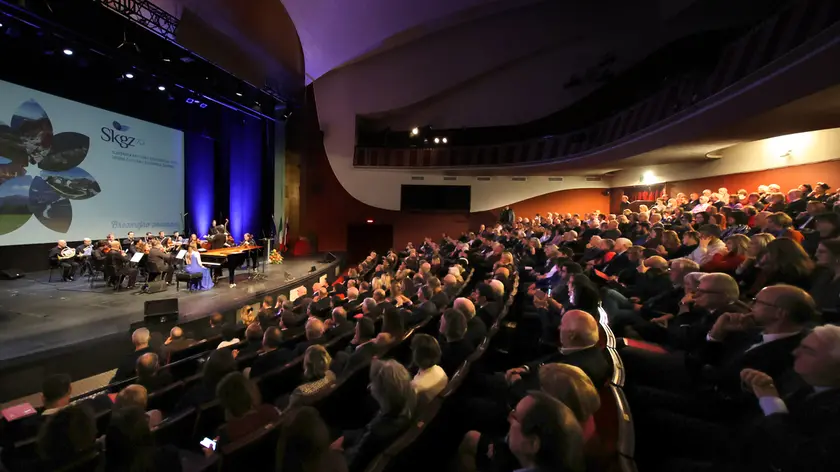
{"x": 788, "y": 178}
{"x": 327, "y": 209}
{"x": 581, "y": 201}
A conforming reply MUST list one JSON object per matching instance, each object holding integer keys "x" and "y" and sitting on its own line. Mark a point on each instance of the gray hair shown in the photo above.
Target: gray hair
{"x": 685, "y": 266}
{"x": 692, "y": 279}
{"x": 369, "y": 304}
{"x": 829, "y": 334}
{"x": 390, "y": 386}
{"x": 140, "y": 336}
{"x": 352, "y": 293}
{"x": 727, "y": 285}
{"x": 465, "y": 306}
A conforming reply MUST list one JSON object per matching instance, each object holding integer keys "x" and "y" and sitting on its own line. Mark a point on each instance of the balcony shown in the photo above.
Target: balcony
{"x": 790, "y": 31}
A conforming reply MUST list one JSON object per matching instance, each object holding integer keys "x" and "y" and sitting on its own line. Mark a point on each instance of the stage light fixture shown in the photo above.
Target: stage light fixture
{"x": 444, "y": 140}
{"x": 68, "y": 52}
{"x": 415, "y": 131}
{"x": 238, "y": 94}
{"x": 203, "y": 105}
{"x": 437, "y": 140}
{"x": 161, "y": 88}
{"x": 129, "y": 75}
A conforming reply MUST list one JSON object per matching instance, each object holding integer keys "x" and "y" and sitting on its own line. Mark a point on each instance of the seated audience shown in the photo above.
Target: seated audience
{"x": 66, "y": 436}
{"x": 128, "y": 366}
{"x": 273, "y": 356}
{"x": 218, "y": 365}
{"x": 314, "y": 335}
{"x": 455, "y": 348}
{"x": 149, "y": 373}
{"x": 129, "y": 446}
{"x": 228, "y": 336}
{"x": 430, "y": 379}
{"x": 138, "y": 396}
{"x": 244, "y": 411}
{"x": 390, "y": 386}
{"x": 317, "y": 375}
{"x": 304, "y": 444}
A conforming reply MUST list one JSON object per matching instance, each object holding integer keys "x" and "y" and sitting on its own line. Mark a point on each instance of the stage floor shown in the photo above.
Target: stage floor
{"x": 38, "y": 316}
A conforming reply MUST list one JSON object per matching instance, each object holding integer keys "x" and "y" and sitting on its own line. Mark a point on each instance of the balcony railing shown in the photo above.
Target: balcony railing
{"x": 761, "y": 46}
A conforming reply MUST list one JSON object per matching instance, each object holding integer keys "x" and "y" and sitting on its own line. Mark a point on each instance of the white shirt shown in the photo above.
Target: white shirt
{"x": 766, "y": 338}
{"x": 228, "y": 343}
{"x": 430, "y": 382}
{"x": 773, "y": 405}
{"x": 703, "y": 255}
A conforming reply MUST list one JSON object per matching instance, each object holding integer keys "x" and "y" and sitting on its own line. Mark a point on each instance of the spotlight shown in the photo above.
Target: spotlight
{"x": 166, "y": 59}
{"x": 161, "y": 88}
{"x": 68, "y": 52}
{"x": 129, "y": 75}
{"x": 444, "y": 140}
{"x": 238, "y": 94}
{"x": 415, "y": 131}
{"x": 437, "y": 140}
{"x": 203, "y": 105}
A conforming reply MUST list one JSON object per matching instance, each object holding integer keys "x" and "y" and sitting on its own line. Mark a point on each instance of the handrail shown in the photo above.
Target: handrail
{"x": 774, "y": 38}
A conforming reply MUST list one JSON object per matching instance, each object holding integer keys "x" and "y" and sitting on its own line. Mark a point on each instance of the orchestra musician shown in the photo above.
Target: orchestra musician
{"x": 218, "y": 239}
{"x": 193, "y": 240}
{"x": 161, "y": 235}
{"x": 149, "y": 236}
{"x": 83, "y": 253}
{"x": 249, "y": 241}
{"x": 62, "y": 256}
{"x": 214, "y": 228}
{"x": 159, "y": 263}
{"x": 119, "y": 267}
{"x": 177, "y": 238}
{"x": 128, "y": 243}
{"x": 98, "y": 254}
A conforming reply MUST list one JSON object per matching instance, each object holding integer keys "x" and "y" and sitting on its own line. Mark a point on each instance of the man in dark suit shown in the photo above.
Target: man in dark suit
{"x": 363, "y": 347}
{"x": 797, "y": 204}
{"x": 314, "y": 335}
{"x": 424, "y": 307}
{"x": 476, "y": 329}
{"x": 338, "y": 325}
{"x": 159, "y": 263}
{"x": 273, "y": 355}
{"x": 68, "y": 265}
{"x": 126, "y": 369}
{"x": 781, "y": 312}
{"x": 177, "y": 341}
{"x": 439, "y": 298}
{"x": 579, "y": 347}
{"x": 620, "y": 261}
{"x": 292, "y": 316}
{"x": 352, "y": 301}
{"x": 800, "y": 432}
{"x": 455, "y": 349}
{"x": 488, "y": 308}
{"x": 149, "y": 373}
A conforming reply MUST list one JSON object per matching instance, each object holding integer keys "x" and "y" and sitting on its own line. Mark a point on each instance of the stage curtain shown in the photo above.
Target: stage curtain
{"x": 244, "y": 141}
{"x": 199, "y": 179}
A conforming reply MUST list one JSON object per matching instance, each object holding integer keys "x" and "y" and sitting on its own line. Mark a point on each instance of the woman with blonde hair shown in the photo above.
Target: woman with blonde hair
{"x": 757, "y": 247}
{"x": 194, "y": 266}
{"x": 317, "y": 375}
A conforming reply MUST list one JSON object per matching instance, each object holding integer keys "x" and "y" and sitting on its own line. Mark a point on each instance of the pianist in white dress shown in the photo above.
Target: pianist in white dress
{"x": 193, "y": 265}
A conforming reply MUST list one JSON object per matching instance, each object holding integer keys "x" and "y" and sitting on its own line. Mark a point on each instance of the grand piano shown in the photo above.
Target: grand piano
{"x": 229, "y": 257}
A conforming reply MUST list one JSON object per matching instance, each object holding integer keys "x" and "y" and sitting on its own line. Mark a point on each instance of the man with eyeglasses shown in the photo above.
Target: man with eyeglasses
{"x": 762, "y": 339}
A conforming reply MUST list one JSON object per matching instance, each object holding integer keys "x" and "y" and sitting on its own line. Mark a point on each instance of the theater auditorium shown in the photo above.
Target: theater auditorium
{"x": 398, "y": 236}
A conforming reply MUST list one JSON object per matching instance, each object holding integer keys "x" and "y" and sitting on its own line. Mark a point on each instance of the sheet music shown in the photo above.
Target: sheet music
{"x": 88, "y": 250}
{"x": 181, "y": 254}
{"x": 137, "y": 256}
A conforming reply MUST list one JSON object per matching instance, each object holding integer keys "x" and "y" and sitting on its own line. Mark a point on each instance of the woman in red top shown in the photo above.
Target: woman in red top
{"x": 736, "y": 252}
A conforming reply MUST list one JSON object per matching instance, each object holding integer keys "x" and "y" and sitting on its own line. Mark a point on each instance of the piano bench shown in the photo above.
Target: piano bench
{"x": 191, "y": 280}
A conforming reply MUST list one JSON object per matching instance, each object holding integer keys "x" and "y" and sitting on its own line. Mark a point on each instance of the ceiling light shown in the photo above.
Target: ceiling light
{"x": 415, "y": 131}
{"x": 68, "y": 52}
{"x": 166, "y": 59}
{"x": 161, "y": 88}
{"x": 129, "y": 75}
{"x": 444, "y": 140}
{"x": 238, "y": 94}
{"x": 437, "y": 140}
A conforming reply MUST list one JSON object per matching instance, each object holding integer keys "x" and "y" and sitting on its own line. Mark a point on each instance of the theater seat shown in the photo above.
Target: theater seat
{"x": 166, "y": 398}
{"x": 411, "y": 450}
{"x": 255, "y": 452}
{"x": 177, "y": 429}
{"x": 650, "y": 347}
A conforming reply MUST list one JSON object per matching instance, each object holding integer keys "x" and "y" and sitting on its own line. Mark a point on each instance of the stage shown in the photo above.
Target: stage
{"x": 43, "y": 322}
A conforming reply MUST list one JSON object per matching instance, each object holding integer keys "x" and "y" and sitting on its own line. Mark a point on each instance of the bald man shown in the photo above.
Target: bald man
{"x": 68, "y": 266}
{"x": 177, "y": 341}
{"x": 578, "y": 333}
{"x": 149, "y": 373}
